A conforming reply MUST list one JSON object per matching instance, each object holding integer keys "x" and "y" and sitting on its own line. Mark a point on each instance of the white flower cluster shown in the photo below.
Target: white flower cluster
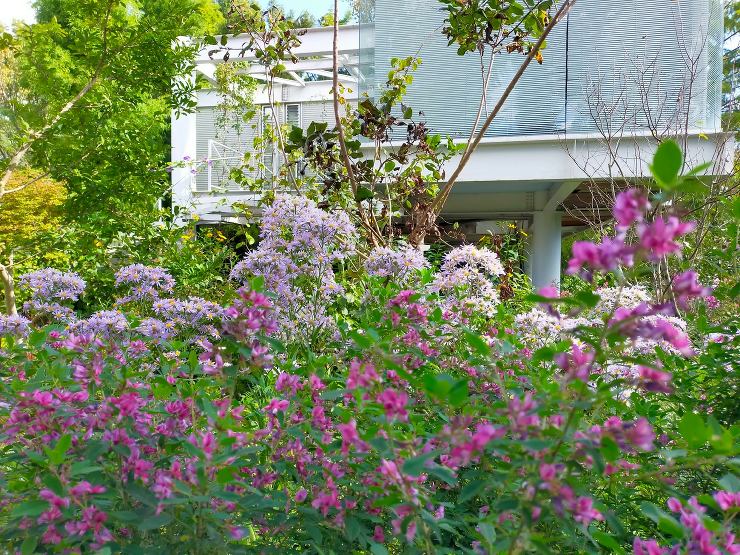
{"x": 625, "y": 297}
{"x": 538, "y": 328}
{"x": 465, "y": 280}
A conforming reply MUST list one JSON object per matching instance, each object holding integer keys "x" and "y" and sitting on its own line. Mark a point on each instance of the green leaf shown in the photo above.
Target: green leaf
{"x": 670, "y": 525}
{"x": 363, "y": 193}
{"x": 478, "y": 344}
{"x": 693, "y": 430}
{"x": 608, "y": 541}
{"x": 378, "y": 549}
{"x": 700, "y": 169}
{"x": 154, "y": 522}
{"x": 125, "y": 516}
{"x": 35, "y": 457}
{"x": 353, "y": 528}
{"x": 667, "y": 164}
{"x": 459, "y": 393}
{"x": 29, "y": 508}
{"x": 666, "y": 523}
{"x": 295, "y": 135}
{"x": 471, "y": 490}
{"x": 488, "y": 532}
{"x": 438, "y": 386}
{"x": 444, "y": 474}
{"x": 37, "y": 338}
{"x": 360, "y": 339}
{"x": 730, "y": 482}
{"x": 736, "y": 208}
{"x": 388, "y": 500}
{"x": 58, "y": 453}
{"x": 29, "y": 545}
{"x": 415, "y": 465}
{"x": 609, "y": 449}
{"x": 54, "y": 484}
{"x": 589, "y": 299}
{"x": 691, "y": 186}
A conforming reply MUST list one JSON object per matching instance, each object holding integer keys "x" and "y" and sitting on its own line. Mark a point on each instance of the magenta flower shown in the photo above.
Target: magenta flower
{"x": 655, "y": 380}
{"x": 378, "y": 535}
{"x": 674, "y": 505}
{"x": 576, "y": 364}
{"x": 51, "y": 536}
{"x": 606, "y": 256}
{"x": 327, "y": 499}
{"x": 548, "y": 472}
{"x": 85, "y": 488}
{"x": 647, "y": 547}
{"x": 53, "y": 499}
{"x": 141, "y": 469}
{"x": 727, "y": 500}
{"x": 389, "y": 469}
{"x": 677, "y": 339}
{"x": 394, "y": 403}
{"x": 686, "y": 287}
{"x": 288, "y": 382}
{"x": 163, "y": 485}
{"x": 640, "y": 434}
{"x": 350, "y": 436}
{"x": 277, "y": 405}
{"x": 630, "y": 207}
{"x": 658, "y": 238}
{"x": 361, "y": 374}
{"x": 485, "y": 433}
{"x": 549, "y": 292}
{"x": 584, "y": 512}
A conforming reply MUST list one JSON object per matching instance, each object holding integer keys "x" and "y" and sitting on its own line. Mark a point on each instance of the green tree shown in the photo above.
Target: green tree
{"x": 87, "y": 98}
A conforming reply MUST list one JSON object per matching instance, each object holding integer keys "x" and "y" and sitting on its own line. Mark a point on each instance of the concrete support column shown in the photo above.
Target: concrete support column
{"x": 184, "y": 152}
{"x": 545, "y": 249}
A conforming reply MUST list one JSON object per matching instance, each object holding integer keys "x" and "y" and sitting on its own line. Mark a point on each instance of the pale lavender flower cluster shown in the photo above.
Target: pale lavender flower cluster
{"x": 400, "y": 264}
{"x": 466, "y": 280}
{"x": 52, "y": 284}
{"x": 154, "y": 328}
{"x": 15, "y": 325}
{"x": 144, "y": 282}
{"x": 195, "y": 315}
{"x": 299, "y": 245}
{"x": 49, "y": 289}
{"x": 105, "y": 324}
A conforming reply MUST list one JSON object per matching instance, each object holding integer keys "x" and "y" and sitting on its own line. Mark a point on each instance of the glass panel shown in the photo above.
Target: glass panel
{"x": 293, "y": 115}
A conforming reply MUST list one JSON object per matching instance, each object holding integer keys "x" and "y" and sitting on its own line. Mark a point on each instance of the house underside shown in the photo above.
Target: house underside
{"x": 577, "y": 128}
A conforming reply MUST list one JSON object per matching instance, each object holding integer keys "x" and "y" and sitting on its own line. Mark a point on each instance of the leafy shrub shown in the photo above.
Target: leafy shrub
{"x": 412, "y": 428}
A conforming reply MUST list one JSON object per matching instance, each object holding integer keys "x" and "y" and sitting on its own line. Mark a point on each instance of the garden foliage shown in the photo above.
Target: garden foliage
{"x": 426, "y": 417}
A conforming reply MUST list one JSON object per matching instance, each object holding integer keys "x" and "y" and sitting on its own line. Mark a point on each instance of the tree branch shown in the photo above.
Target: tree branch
{"x": 34, "y": 136}
{"x": 444, "y": 194}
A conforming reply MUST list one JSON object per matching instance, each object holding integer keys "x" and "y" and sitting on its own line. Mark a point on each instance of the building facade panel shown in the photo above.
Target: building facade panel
{"x": 639, "y": 63}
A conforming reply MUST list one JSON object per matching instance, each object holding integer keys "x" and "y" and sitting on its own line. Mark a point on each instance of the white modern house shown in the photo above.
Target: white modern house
{"x": 617, "y": 77}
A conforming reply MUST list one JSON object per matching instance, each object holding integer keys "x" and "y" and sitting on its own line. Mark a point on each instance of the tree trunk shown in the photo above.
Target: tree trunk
{"x": 6, "y": 276}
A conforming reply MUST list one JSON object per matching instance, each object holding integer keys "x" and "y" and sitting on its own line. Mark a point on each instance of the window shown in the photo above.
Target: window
{"x": 293, "y": 115}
